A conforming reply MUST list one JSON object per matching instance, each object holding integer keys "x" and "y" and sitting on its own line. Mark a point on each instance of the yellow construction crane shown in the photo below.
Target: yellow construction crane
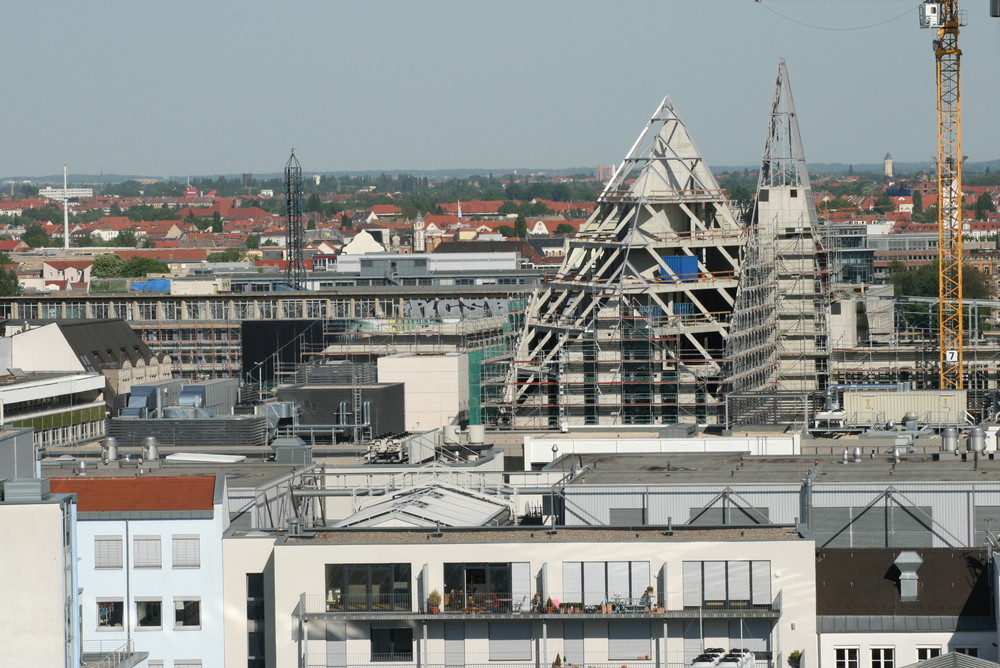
{"x": 946, "y": 18}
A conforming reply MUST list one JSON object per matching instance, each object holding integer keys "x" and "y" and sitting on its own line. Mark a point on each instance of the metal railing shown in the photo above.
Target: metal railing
{"x": 107, "y": 653}
{"x": 516, "y": 604}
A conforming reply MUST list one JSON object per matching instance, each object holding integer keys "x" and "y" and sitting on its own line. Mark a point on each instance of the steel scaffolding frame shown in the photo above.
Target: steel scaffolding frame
{"x": 632, "y": 329}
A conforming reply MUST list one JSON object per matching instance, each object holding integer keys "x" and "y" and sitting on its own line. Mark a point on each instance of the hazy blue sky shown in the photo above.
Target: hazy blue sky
{"x": 226, "y": 86}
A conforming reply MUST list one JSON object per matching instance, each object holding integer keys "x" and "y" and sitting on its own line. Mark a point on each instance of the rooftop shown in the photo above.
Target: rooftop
{"x": 136, "y": 494}
{"x": 539, "y": 534}
{"x": 736, "y": 468}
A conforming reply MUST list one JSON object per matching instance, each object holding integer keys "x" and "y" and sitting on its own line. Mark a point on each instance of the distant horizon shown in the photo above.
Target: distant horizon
{"x": 460, "y": 172}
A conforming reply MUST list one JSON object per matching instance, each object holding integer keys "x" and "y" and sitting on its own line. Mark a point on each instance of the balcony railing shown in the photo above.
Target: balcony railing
{"x": 369, "y": 603}
{"x": 507, "y": 604}
{"x": 479, "y": 660}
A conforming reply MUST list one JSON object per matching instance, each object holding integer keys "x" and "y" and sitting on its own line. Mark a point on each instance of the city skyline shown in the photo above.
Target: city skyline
{"x": 443, "y": 84}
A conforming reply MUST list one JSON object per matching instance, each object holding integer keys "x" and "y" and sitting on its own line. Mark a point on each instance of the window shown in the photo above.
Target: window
{"x": 368, "y": 587}
{"x": 186, "y": 551}
{"x": 628, "y": 640}
{"x": 187, "y": 613}
{"x": 924, "y": 653}
{"x": 968, "y": 651}
{"x": 597, "y": 582}
{"x": 110, "y": 612}
{"x": 107, "y": 552}
{"x": 727, "y": 583}
{"x": 157, "y": 663}
{"x": 883, "y": 657}
{"x": 148, "y": 612}
{"x": 392, "y": 644}
{"x": 147, "y": 551}
{"x": 846, "y": 657}
{"x": 510, "y": 641}
{"x": 187, "y": 663}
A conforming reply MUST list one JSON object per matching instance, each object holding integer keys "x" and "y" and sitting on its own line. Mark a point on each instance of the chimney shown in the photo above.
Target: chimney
{"x": 908, "y": 563}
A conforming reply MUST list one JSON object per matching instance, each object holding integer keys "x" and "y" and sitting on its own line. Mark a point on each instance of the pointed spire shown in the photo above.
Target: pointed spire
{"x": 664, "y": 162}
{"x": 784, "y": 162}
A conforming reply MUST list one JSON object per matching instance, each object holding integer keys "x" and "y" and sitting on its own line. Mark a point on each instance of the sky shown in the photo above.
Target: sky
{"x": 229, "y": 86}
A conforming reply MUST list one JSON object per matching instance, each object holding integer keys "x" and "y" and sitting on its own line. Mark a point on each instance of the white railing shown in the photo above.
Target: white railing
{"x": 110, "y": 653}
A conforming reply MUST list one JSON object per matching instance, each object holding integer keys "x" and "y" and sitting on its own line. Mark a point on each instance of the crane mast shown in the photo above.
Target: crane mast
{"x": 946, "y": 17}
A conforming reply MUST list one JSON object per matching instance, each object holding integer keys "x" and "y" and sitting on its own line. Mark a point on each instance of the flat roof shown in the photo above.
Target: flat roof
{"x": 535, "y": 534}
{"x": 243, "y": 475}
{"x": 736, "y": 468}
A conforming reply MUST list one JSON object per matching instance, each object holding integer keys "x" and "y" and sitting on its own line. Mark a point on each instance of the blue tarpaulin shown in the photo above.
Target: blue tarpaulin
{"x": 152, "y": 285}
{"x": 685, "y": 268}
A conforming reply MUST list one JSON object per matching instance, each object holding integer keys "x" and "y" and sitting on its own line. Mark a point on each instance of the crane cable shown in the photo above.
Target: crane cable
{"x": 816, "y": 27}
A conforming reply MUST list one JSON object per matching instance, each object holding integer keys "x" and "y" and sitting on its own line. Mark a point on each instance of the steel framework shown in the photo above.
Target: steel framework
{"x": 632, "y": 329}
{"x": 949, "y": 197}
{"x": 778, "y": 342}
{"x": 295, "y": 269}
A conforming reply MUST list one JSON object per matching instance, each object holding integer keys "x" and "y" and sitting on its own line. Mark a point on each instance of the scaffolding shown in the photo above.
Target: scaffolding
{"x": 779, "y": 345}
{"x": 632, "y": 329}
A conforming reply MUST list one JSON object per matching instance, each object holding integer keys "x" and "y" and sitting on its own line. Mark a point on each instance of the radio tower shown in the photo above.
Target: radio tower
{"x": 295, "y": 268}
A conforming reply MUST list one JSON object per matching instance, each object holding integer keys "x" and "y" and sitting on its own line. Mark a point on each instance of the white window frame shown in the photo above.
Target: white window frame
{"x": 968, "y": 650}
{"x": 148, "y": 552}
{"x": 847, "y": 662}
{"x": 929, "y": 651}
{"x": 187, "y": 599}
{"x": 882, "y": 656}
{"x": 138, "y": 618}
{"x": 187, "y": 663}
{"x": 109, "y": 599}
{"x": 183, "y": 554}
{"x": 104, "y": 552}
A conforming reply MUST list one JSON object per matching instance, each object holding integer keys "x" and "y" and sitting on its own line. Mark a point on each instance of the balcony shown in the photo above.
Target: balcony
{"x": 506, "y": 605}
{"x": 477, "y": 660}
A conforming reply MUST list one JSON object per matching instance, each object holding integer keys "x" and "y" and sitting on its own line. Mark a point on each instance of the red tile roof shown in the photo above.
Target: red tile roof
{"x": 138, "y": 494}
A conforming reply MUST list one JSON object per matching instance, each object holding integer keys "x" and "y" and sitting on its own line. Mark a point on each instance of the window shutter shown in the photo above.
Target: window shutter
{"x": 510, "y": 641}
{"x": 186, "y": 551}
{"x": 739, "y": 580}
{"x": 715, "y": 581}
{"x": 628, "y": 640}
{"x": 573, "y": 581}
{"x": 618, "y": 575}
{"x": 692, "y": 584}
{"x": 594, "y": 592}
{"x": 147, "y": 552}
{"x": 761, "y": 575}
{"x": 107, "y": 551}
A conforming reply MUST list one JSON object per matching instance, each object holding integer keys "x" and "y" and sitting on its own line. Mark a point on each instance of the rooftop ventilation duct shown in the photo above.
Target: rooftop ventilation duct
{"x": 908, "y": 563}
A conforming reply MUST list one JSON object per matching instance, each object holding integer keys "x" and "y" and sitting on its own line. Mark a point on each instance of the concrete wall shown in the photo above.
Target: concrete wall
{"x": 904, "y": 644}
{"x": 44, "y": 349}
{"x": 34, "y": 571}
{"x": 436, "y": 387}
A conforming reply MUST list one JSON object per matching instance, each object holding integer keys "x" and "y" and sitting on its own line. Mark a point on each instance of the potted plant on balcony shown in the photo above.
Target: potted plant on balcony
{"x": 795, "y": 658}
{"x": 434, "y": 601}
{"x": 548, "y": 606}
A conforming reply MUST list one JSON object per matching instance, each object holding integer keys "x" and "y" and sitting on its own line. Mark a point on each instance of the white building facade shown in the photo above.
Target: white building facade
{"x": 150, "y": 567}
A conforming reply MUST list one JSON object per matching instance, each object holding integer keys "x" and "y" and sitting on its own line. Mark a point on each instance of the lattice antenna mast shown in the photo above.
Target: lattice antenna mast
{"x": 295, "y": 271}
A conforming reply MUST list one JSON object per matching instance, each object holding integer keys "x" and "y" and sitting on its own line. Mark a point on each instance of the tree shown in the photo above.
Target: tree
{"x": 918, "y": 203}
{"x": 217, "y": 223}
{"x": 984, "y": 205}
{"x": 10, "y": 286}
{"x": 565, "y": 229}
{"x": 28, "y": 190}
{"x": 521, "y": 227}
{"x": 345, "y": 221}
{"x": 107, "y": 265}
{"x": 88, "y": 240}
{"x": 126, "y": 239}
{"x": 35, "y": 236}
{"x": 228, "y": 255}
{"x": 506, "y": 231}
{"x": 253, "y": 241}
{"x": 141, "y": 266}
{"x": 313, "y": 203}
